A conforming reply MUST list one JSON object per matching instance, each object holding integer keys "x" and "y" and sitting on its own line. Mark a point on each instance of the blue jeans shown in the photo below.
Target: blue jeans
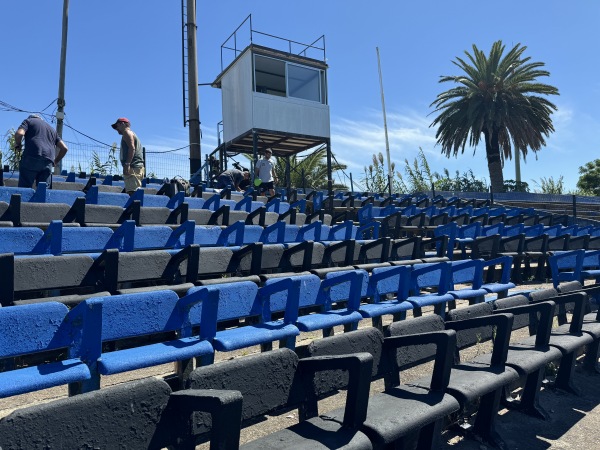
{"x": 34, "y": 169}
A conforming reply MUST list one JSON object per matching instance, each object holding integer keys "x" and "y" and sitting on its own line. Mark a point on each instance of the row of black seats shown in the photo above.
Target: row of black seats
{"x": 72, "y": 277}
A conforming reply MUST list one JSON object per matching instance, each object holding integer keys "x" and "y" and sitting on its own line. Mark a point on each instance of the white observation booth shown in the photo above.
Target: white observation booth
{"x": 273, "y": 98}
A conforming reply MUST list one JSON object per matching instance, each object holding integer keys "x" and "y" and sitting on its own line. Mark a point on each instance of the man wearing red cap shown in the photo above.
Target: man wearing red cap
{"x": 132, "y": 155}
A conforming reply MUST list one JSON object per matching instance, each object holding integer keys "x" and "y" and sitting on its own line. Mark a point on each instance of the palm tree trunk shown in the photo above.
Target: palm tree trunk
{"x": 492, "y": 151}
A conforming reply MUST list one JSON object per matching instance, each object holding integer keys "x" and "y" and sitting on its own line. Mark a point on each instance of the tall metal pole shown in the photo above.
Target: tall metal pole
{"x": 60, "y": 113}
{"x": 194, "y": 107}
{"x": 387, "y": 142}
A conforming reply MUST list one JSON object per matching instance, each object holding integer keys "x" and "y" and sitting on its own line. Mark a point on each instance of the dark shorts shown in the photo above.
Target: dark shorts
{"x": 266, "y": 186}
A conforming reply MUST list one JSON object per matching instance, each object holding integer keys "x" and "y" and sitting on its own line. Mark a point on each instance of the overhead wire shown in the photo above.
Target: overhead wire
{"x": 4, "y": 106}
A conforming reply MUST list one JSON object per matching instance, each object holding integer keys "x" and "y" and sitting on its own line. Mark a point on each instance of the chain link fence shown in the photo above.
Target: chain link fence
{"x": 104, "y": 160}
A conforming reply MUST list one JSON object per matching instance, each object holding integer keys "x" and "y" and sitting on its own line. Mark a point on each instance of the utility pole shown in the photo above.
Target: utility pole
{"x": 60, "y": 113}
{"x": 194, "y": 107}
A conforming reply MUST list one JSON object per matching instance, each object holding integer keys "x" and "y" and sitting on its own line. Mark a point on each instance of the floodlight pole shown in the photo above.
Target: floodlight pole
{"x": 60, "y": 113}
{"x": 518, "y": 169}
{"x": 387, "y": 142}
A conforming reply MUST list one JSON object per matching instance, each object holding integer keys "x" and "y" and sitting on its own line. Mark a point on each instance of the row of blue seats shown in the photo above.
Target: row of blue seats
{"x": 369, "y": 212}
{"x": 58, "y": 240}
{"x": 94, "y": 197}
{"x": 107, "y": 180}
{"x": 513, "y": 237}
{"x": 307, "y": 302}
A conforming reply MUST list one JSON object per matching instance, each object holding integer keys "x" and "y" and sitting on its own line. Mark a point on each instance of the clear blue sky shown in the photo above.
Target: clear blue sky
{"x": 124, "y": 59}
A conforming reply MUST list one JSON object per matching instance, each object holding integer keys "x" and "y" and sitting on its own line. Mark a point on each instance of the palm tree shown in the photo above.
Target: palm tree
{"x": 499, "y": 97}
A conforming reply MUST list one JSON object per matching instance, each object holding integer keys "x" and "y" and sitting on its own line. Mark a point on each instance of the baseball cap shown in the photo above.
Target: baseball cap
{"x": 120, "y": 119}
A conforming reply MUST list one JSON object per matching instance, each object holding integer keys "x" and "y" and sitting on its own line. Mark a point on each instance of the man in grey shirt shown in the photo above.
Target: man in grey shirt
{"x": 132, "y": 156}
{"x": 39, "y": 156}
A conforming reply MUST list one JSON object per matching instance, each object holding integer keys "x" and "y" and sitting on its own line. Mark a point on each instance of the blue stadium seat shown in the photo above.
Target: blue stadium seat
{"x": 45, "y": 327}
{"x": 383, "y": 282}
{"x": 430, "y": 275}
{"x": 244, "y": 300}
{"x": 141, "y": 314}
{"x": 342, "y": 288}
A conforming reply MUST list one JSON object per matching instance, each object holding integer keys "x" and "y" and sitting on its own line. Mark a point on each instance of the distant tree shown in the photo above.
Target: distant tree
{"x": 589, "y": 178}
{"x": 459, "y": 183}
{"x": 513, "y": 186}
{"x": 499, "y": 99}
{"x": 314, "y": 167}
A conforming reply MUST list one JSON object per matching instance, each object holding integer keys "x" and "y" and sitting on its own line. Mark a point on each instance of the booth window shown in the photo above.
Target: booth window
{"x": 276, "y": 77}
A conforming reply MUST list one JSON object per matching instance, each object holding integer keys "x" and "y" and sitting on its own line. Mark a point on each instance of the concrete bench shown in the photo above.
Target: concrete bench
{"x": 26, "y": 276}
{"x": 140, "y": 414}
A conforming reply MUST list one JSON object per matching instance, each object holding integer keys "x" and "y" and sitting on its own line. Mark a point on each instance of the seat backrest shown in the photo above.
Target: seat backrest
{"x": 140, "y": 314}
{"x": 566, "y": 265}
{"x": 106, "y": 198}
{"x": 32, "y": 328}
{"x": 7, "y": 192}
{"x": 489, "y": 230}
{"x": 62, "y": 196}
{"x": 472, "y": 336}
{"x": 43, "y": 212}
{"x": 305, "y": 286}
{"x": 415, "y": 355}
{"x": 87, "y": 239}
{"x": 206, "y": 235}
{"x": 430, "y": 275}
{"x": 53, "y": 272}
{"x": 129, "y": 413}
{"x": 467, "y": 272}
{"x": 471, "y": 230}
{"x": 569, "y": 286}
{"x": 520, "y": 320}
{"x": 267, "y": 381}
{"x": 513, "y": 230}
{"x": 235, "y": 301}
{"x": 342, "y": 286}
{"x": 19, "y": 240}
{"x": 366, "y": 340}
{"x": 389, "y": 280}
{"x": 533, "y": 230}
{"x": 155, "y": 200}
